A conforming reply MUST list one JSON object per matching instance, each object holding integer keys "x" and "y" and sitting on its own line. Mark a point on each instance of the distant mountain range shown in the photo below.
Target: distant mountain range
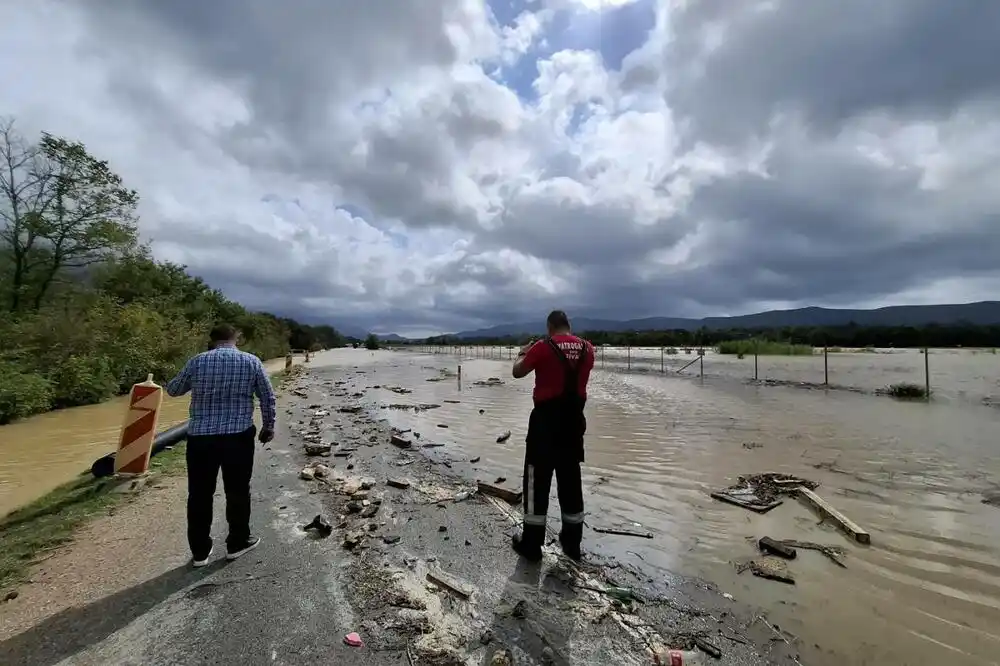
{"x": 982, "y": 313}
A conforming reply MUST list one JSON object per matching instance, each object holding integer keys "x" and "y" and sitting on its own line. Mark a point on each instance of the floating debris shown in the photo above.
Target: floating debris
{"x": 760, "y": 492}
{"x": 503, "y": 437}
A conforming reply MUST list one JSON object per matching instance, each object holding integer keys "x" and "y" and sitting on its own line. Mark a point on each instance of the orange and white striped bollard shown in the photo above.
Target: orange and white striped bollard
{"x": 139, "y": 429}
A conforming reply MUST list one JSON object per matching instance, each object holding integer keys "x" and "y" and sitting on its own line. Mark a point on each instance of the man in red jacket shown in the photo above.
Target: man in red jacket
{"x": 562, "y": 363}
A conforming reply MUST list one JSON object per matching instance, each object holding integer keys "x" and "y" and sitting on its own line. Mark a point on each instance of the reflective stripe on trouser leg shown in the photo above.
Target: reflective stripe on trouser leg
{"x": 573, "y": 518}
{"x": 529, "y": 490}
{"x": 531, "y": 516}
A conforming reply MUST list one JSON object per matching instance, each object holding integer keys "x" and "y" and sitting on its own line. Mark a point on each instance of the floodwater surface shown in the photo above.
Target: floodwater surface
{"x": 927, "y": 591}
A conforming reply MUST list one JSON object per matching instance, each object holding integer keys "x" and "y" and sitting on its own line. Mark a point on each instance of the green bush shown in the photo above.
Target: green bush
{"x": 82, "y": 380}
{"x": 22, "y": 393}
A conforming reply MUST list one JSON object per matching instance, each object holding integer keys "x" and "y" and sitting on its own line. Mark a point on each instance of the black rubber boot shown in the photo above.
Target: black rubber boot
{"x": 570, "y": 538}
{"x": 528, "y": 544}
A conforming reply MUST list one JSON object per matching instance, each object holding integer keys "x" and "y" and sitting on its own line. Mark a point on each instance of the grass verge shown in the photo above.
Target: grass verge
{"x": 763, "y": 348}
{"x": 29, "y": 533}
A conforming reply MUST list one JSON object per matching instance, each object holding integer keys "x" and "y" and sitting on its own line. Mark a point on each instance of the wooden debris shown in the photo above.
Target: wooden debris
{"x": 834, "y": 553}
{"x": 450, "y": 583}
{"x": 318, "y": 449}
{"x": 711, "y": 649}
{"x": 769, "y": 546}
{"x": 401, "y": 442}
{"x": 402, "y": 484}
{"x": 503, "y": 437}
{"x": 759, "y": 508}
{"x": 842, "y": 521}
{"x": 771, "y": 569}
{"x": 617, "y": 532}
{"x": 507, "y": 495}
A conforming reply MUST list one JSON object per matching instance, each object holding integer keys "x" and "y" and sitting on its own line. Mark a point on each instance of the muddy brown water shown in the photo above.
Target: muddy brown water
{"x": 42, "y": 452}
{"x": 926, "y": 592}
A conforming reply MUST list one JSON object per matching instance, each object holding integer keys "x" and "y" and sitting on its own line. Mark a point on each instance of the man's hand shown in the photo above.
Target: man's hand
{"x": 525, "y": 348}
{"x": 265, "y": 435}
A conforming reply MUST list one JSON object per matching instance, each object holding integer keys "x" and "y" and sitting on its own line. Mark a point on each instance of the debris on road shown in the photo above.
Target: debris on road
{"x": 769, "y": 546}
{"x": 834, "y": 553}
{"x": 402, "y": 484}
{"x": 441, "y": 579}
{"x": 770, "y": 568}
{"x": 351, "y": 409}
{"x": 475, "y": 460}
{"x": 320, "y": 525}
{"x": 401, "y": 442}
{"x": 503, "y": 437}
{"x": 760, "y": 492}
{"x": 507, "y": 495}
{"x": 314, "y": 471}
{"x": 622, "y": 532}
{"x": 491, "y": 381}
{"x": 318, "y": 449}
{"x": 843, "y": 522}
{"x": 353, "y": 639}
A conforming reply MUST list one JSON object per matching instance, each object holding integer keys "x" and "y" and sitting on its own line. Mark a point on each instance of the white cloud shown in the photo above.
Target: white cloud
{"x": 711, "y": 165}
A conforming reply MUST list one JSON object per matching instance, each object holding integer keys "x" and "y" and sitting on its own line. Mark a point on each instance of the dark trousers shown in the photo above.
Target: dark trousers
{"x": 569, "y": 488}
{"x": 206, "y": 455}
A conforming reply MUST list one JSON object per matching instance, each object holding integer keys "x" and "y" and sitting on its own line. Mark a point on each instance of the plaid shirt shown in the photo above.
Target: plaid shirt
{"x": 223, "y": 382}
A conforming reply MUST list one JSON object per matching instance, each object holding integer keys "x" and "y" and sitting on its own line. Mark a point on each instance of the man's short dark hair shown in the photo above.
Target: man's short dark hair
{"x": 558, "y": 320}
{"x": 222, "y": 333}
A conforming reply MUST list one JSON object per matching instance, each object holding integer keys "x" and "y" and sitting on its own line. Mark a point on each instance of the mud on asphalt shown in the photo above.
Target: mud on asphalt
{"x": 431, "y": 575}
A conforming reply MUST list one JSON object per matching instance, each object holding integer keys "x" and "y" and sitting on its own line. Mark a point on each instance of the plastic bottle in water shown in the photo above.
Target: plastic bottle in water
{"x": 678, "y": 658}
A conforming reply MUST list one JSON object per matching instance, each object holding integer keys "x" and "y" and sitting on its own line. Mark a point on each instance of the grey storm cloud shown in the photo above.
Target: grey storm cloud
{"x": 748, "y": 155}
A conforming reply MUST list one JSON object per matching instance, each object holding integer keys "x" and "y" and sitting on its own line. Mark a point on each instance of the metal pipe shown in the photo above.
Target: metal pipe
{"x": 105, "y": 466}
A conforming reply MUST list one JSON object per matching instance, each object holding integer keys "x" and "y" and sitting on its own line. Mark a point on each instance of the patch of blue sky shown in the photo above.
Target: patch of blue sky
{"x": 613, "y": 32}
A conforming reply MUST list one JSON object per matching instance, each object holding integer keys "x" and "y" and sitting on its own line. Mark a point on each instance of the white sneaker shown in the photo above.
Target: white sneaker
{"x": 197, "y": 564}
{"x": 235, "y": 554}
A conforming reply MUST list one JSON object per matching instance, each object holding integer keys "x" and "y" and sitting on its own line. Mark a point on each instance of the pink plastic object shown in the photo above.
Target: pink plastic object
{"x": 354, "y": 640}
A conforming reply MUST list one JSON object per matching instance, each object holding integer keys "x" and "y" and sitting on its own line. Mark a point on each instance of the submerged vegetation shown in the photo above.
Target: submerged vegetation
{"x": 763, "y": 348}
{"x": 85, "y": 311}
{"x": 906, "y": 390}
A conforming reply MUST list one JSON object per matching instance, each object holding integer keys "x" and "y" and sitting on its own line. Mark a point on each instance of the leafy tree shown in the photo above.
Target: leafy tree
{"x": 85, "y": 310}
{"x": 371, "y": 342}
{"x": 63, "y": 210}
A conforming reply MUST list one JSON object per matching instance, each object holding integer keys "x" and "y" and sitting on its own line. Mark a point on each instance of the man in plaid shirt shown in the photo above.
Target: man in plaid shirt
{"x": 223, "y": 382}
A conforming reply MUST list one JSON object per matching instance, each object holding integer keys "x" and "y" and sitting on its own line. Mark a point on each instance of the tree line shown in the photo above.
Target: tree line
{"x": 85, "y": 310}
{"x": 850, "y": 335}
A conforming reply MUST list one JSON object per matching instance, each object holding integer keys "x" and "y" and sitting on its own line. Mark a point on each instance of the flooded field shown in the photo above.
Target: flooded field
{"x": 927, "y": 591}
{"x": 45, "y": 451}
{"x": 956, "y": 375}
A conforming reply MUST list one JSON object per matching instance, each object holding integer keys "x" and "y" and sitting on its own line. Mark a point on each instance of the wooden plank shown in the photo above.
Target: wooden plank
{"x": 620, "y": 532}
{"x": 402, "y": 484}
{"x": 451, "y": 583}
{"x": 769, "y": 546}
{"x": 842, "y": 521}
{"x": 401, "y": 442}
{"x": 759, "y": 508}
{"x": 507, "y": 495}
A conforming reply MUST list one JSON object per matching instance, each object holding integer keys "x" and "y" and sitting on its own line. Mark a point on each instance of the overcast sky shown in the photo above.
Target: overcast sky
{"x": 436, "y": 165}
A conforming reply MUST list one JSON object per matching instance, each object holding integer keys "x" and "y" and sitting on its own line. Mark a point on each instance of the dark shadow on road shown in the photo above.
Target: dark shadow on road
{"x": 73, "y": 630}
{"x": 535, "y": 614}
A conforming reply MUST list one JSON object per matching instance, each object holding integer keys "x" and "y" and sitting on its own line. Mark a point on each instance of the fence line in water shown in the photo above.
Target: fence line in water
{"x": 680, "y": 361}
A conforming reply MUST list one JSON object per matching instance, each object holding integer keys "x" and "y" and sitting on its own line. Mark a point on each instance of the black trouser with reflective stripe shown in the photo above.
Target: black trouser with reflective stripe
{"x": 538, "y": 485}
{"x": 554, "y": 448}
